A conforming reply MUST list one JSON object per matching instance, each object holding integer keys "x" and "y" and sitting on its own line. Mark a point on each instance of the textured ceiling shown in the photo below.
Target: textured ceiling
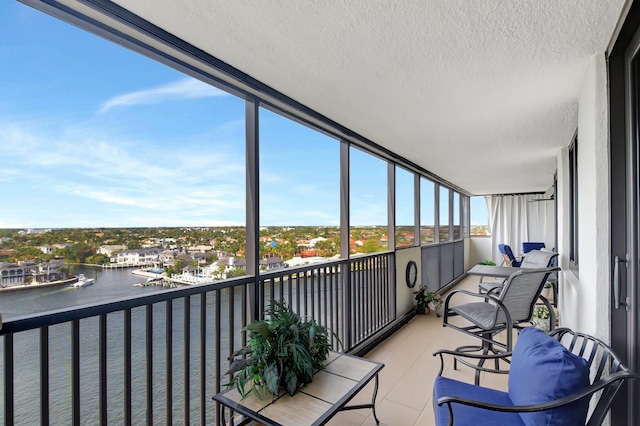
{"x": 481, "y": 93}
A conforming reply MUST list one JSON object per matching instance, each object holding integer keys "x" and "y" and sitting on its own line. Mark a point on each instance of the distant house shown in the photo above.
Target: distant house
{"x": 110, "y": 250}
{"x": 202, "y": 258}
{"x": 166, "y": 258}
{"x": 271, "y": 263}
{"x": 147, "y": 256}
{"x": 27, "y": 272}
{"x": 47, "y": 249}
{"x": 200, "y": 249}
{"x": 230, "y": 263}
{"x": 189, "y": 269}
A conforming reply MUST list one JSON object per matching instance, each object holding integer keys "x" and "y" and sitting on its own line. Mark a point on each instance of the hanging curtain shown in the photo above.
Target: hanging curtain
{"x": 514, "y": 219}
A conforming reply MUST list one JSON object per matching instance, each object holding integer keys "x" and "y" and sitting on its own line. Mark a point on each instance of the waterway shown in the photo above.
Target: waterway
{"x": 109, "y": 285}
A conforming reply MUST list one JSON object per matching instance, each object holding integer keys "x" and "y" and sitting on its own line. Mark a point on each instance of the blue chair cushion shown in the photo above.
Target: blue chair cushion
{"x": 466, "y": 415}
{"x": 528, "y": 246}
{"x": 543, "y": 370}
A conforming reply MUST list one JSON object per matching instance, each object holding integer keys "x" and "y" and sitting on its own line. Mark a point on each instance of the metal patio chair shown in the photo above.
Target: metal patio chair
{"x": 493, "y": 314}
{"x": 548, "y": 383}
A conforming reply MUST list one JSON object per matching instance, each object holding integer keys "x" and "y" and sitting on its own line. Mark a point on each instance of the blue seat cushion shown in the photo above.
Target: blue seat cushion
{"x": 466, "y": 415}
{"x": 543, "y": 370}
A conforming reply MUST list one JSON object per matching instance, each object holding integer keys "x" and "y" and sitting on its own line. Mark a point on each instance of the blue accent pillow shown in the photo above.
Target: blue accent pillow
{"x": 543, "y": 370}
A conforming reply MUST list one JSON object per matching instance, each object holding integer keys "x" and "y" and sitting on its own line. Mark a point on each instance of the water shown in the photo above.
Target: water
{"x": 109, "y": 285}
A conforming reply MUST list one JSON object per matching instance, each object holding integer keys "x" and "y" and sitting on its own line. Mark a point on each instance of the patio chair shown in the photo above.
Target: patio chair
{"x": 507, "y": 254}
{"x": 538, "y": 259}
{"x": 493, "y": 314}
{"x": 548, "y": 384}
{"x": 534, "y": 259}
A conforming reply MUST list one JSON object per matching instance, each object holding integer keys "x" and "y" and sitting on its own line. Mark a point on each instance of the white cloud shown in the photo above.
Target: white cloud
{"x": 79, "y": 176}
{"x": 187, "y": 88}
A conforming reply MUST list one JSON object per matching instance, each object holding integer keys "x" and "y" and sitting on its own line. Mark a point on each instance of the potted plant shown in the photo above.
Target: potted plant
{"x": 283, "y": 351}
{"x": 541, "y": 317}
{"x": 427, "y": 301}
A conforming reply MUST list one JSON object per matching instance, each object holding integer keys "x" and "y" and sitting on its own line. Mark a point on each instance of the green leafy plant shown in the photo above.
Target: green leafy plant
{"x": 283, "y": 351}
{"x": 488, "y": 262}
{"x": 541, "y": 311}
{"x": 427, "y": 299}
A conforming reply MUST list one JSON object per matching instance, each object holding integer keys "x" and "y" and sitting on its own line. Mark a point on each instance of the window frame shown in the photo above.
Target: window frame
{"x": 573, "y": 205}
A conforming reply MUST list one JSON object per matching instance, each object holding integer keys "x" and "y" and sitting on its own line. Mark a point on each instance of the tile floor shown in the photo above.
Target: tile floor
{"x": 406, "y": 381}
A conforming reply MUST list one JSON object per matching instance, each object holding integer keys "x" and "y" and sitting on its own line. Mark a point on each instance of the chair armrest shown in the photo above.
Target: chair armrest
{"x": 469, "y": 293}
{"x": 469, "y": 355}
{"x": 587, "y": 391}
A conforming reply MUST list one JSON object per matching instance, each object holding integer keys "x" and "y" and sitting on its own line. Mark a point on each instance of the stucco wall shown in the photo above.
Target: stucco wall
{"x": 479, "y": 251}
{"x": 584, "y": 299}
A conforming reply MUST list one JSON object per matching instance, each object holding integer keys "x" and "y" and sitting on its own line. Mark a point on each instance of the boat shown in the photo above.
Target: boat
{"x": 83, "y": 281}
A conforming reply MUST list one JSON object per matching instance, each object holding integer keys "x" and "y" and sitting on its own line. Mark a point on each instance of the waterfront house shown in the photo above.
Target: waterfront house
{"x": 111, "y": 249}
{"x": 27, "y": 272}
{"x": 525, "y": 102}
{"x": 134, "y": 257}
{"x": 271, "y": 263}
{"x": 166, "y": 258}
{"x": 228, "y": 262}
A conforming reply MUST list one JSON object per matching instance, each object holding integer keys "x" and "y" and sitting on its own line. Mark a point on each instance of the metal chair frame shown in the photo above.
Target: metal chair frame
{"x": 610, "y": 374}
{"x": 502, "y": 319}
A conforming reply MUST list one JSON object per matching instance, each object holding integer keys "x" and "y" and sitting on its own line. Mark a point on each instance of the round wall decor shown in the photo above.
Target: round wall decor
{"x": 411, "y": 274}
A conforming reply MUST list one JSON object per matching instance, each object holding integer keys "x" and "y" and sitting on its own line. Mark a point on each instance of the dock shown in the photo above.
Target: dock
{"x": 21, "y": 286}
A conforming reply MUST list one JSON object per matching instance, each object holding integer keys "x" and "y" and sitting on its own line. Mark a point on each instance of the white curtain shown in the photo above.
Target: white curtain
{"x": 514, "y": 219}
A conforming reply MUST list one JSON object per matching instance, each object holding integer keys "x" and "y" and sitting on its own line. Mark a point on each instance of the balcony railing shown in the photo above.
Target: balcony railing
{"x": 159, "y": 358}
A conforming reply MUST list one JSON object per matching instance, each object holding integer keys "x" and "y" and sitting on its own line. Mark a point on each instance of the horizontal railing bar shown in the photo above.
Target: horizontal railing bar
{"x": 266, "y": 275}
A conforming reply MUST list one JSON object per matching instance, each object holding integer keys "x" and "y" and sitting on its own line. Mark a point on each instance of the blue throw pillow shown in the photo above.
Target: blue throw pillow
{"x": 543, "y": 370}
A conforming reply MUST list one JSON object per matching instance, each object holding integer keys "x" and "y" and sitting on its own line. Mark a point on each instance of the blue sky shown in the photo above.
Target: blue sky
{"x": 95, "y": 135}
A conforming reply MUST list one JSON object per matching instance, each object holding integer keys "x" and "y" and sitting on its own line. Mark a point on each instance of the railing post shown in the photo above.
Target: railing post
{"x": 346, "y": 304}
{"x": 8, "y": 380}
{"x": 44, "y": 375}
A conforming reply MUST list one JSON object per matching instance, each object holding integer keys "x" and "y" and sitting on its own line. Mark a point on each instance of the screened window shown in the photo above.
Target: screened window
{"x": 147, "y": 147}
{"x": 444, "y": 219}
{"x": 456, "y": 216}
{"x": 105, "y": 149}
{"x": 427, "y": 211}
{"x": 479, "y": 217}
{"x": 405, "y": 202}
{"x": 368, "y": 203}
{"x": 299, "y": 190}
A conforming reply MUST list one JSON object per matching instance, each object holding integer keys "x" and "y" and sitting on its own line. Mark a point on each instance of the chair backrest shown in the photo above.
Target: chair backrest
{"x": 601, "y": 360}
{"x": 520, "y": 293}
{"x": 528, "y": 246}
{"x": 507, "y": 253}
{"x": 538, "y": 259}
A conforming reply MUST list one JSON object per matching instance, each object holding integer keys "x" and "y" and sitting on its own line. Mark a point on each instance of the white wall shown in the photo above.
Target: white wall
{"x": 479, "y": 251}
{"x": 584, "y": 299}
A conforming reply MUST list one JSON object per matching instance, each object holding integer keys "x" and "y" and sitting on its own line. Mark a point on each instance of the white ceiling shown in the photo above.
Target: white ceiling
{"x": 481, "y": 93}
